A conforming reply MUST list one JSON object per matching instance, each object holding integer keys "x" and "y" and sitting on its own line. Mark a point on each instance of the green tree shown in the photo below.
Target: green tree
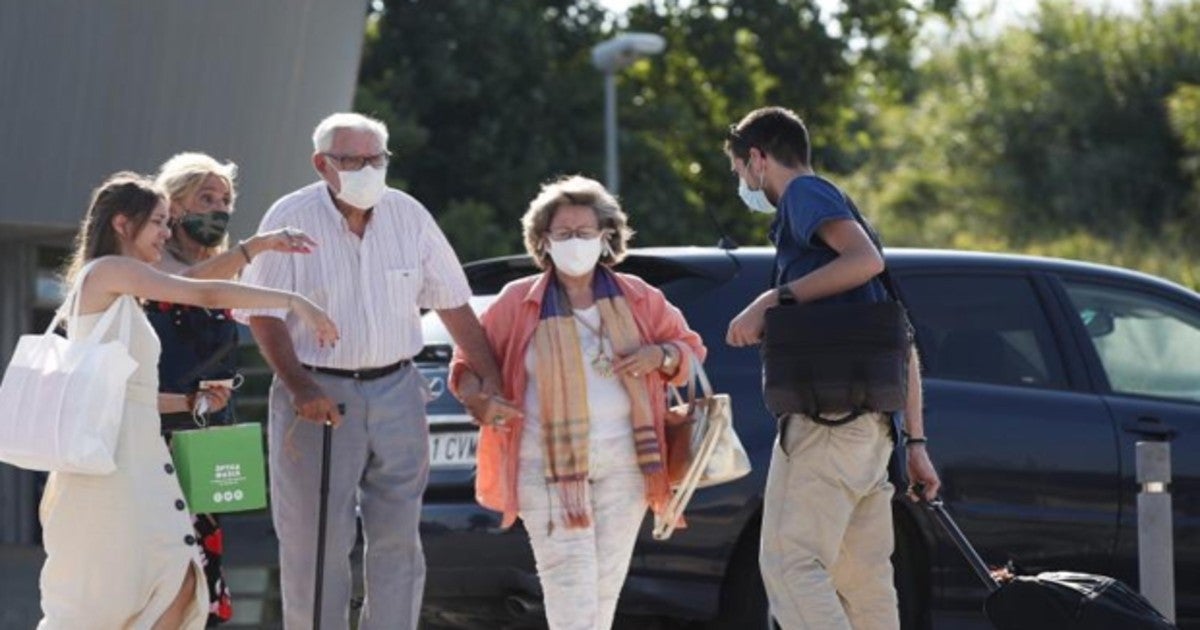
{"x": 727, "y": 57}
{"x": 1051, "y": 138}
{"x": 485, "y": 100}
{"x": 488, "y": 99}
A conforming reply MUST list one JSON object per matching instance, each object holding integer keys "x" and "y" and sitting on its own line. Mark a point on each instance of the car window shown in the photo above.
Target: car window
{"x": 438, "y": 343}
{"x": 1146, "y": 345}
{"x": 987, "y": 329}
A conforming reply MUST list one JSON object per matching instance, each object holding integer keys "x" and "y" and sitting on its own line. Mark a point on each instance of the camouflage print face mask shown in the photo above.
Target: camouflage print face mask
{"x": 206, "y": 228}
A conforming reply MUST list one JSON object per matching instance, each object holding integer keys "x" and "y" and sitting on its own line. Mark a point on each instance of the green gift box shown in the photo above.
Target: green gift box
{"x": 221, "y": 469}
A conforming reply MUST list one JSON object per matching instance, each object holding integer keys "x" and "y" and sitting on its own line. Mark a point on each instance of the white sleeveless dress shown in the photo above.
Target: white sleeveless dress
{"x": 118, "y": 546}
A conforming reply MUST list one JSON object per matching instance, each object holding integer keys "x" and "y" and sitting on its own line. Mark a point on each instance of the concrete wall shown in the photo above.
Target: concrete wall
{"x": 89, "y": 87}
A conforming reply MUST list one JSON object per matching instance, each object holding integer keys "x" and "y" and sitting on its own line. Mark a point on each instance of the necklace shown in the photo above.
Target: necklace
{"x": 600, "y": 361}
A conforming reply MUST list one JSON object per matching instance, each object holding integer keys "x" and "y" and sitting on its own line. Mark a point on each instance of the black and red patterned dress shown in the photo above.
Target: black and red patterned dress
{"x": 198, "y": 344}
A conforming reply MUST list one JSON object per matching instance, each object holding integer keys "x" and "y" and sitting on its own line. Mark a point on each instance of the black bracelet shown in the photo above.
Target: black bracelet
{"x": 245, "y": 253}
{"x": 909, "y": 441}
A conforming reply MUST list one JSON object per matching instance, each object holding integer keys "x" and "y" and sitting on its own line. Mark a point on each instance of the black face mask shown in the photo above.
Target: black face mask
{"x": 206, "y": 228}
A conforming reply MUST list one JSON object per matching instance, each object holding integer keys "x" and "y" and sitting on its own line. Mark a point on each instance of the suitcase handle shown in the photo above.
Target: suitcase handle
{"x": 951, "y": 528}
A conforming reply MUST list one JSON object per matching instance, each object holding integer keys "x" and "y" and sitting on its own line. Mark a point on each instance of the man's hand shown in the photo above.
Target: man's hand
{"x": 747, "y": 328}
{"x": 313, "y": 405}
{"x": 921, "y": 473}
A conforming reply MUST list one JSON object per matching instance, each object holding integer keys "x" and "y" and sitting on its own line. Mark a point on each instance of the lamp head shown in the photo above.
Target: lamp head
{"x": 621, "y": 51}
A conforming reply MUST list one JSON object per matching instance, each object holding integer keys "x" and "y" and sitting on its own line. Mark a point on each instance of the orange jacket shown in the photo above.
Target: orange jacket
{"x": 509, "y": 323}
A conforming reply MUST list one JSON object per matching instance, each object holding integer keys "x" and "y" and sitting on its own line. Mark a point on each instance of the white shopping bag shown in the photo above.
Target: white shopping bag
{"x": 61, "y": 401}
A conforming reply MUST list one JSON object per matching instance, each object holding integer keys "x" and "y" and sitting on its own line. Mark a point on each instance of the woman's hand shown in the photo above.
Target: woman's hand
{"x": 644, "y": 360}
{"x": 284, "y": 240}
{"x": 216, "y": 397}
{"x": 317, "y": 319}
{"x": 491, "y": 410}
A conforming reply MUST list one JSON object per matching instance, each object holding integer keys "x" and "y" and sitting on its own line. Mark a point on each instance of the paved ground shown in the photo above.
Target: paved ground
{"x": 252, "y": 576}
{"x": 253, "y": 579}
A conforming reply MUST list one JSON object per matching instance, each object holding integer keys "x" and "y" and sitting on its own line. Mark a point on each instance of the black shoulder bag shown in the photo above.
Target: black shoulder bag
{"x": 835, "y": 362}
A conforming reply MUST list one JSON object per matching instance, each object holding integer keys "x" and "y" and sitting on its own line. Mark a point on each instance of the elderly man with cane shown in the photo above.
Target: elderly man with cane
{"x": 380, "y": 258}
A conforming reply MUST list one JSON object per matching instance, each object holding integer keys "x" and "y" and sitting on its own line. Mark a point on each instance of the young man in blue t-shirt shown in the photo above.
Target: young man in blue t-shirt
{"x": 827, "y": 521}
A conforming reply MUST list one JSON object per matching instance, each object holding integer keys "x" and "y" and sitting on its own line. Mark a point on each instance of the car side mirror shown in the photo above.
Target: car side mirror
{"x": 1097, "y": 322}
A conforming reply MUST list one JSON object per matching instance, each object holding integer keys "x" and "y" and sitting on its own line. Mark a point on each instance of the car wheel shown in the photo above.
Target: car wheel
{"x": 910, "y": 565}
{"x": 743, "y": 602}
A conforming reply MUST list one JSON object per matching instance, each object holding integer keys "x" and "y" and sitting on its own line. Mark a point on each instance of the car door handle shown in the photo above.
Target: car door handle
{"x": 1150, "y": 427}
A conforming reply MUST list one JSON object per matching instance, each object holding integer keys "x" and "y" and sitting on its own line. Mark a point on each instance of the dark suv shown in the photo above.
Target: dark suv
{"x": 1040, "y": 376}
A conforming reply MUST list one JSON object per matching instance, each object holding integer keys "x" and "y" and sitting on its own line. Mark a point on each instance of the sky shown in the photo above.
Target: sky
{"x": 1005, "y": 10}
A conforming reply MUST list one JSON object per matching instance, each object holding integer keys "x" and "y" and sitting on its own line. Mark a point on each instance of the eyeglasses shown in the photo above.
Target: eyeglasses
{"x": 356, "y": 162}
{"x": 586, "y": 233}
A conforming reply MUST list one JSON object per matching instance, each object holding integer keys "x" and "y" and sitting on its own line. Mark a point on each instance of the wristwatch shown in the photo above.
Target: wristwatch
{"x": 669, "y": 359}
{"x": 784, "y": 294}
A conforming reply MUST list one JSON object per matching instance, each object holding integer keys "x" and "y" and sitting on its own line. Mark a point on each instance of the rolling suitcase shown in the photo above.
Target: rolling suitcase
{"x": 1058, "y": 600}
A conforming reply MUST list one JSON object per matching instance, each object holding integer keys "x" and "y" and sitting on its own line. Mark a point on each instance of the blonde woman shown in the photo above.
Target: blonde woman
{"x": 577, "y": 450}
{"x": 120, "y": 548}
{"x": 200, "y": 344}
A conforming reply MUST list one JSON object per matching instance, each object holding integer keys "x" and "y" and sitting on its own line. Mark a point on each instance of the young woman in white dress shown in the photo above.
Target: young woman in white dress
{"x": 120, "y": 548}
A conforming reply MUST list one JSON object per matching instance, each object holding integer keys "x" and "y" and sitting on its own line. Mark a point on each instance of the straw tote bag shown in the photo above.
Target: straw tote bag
{"x": 702, "y": 447}
{"x": 61, "y": 401}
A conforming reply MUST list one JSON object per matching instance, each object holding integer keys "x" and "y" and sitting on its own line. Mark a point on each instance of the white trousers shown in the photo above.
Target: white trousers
{"x": 582, "y": 570}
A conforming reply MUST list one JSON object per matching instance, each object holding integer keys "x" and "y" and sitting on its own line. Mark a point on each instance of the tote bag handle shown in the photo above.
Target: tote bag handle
{"x": 68, "y": 312}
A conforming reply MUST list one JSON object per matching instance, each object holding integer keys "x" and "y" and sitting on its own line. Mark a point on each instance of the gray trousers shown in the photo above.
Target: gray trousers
{"x": 379, "y": 463}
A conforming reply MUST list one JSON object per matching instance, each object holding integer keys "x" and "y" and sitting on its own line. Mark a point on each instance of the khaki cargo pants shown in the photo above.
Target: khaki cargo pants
{"x": 827, "y": 526}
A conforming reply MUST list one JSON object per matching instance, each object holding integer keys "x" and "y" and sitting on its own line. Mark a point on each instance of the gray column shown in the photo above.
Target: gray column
{"x": 18, "y": 267}
{"x": 1156, "y": 545}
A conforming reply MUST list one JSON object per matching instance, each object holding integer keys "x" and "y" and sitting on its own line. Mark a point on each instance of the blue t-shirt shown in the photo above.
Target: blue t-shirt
{"x": 808, "y": 203}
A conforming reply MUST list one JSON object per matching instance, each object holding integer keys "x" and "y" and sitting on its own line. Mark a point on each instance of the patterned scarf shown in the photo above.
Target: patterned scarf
{"x": 562, "y": 396}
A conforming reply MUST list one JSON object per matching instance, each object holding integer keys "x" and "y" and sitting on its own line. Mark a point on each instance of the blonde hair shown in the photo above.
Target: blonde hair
{"x": 576, "y": 190}
{"x": 184, "y": 174}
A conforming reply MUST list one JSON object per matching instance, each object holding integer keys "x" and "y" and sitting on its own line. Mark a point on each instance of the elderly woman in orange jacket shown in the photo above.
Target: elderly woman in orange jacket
{"x": 576, "y": 448}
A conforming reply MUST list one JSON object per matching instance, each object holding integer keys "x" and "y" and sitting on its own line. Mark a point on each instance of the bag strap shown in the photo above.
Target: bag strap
{"x": 885, "y": 276}
{"x": 116, "y": 310}
{"x": 69, "y": 310}
{"x": 698, "y": 375}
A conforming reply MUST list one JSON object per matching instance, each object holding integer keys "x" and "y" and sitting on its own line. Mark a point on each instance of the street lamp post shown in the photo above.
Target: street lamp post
{"x": 610, "y": 57}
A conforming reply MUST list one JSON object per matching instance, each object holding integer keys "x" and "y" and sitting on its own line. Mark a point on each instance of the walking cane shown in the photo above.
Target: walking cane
{"x": 322, "y": 514}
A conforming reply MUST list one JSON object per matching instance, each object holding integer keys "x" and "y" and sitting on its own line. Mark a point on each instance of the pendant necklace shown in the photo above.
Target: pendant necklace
{"x": 600, "y": 362}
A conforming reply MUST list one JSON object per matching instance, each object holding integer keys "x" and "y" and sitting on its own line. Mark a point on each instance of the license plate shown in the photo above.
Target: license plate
{"x": 453, "y": 449}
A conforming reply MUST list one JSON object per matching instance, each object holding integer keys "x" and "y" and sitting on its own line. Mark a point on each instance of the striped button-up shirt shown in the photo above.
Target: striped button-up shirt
{"x": 371, "y": 287}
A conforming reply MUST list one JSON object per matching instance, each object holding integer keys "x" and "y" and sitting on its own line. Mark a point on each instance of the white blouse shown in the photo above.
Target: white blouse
{"x": 609, "y": 408}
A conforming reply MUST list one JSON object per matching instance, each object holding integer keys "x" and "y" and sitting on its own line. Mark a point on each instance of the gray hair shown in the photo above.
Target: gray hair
{"x": 323, "y": 134}
{"x": 576, "y": 190}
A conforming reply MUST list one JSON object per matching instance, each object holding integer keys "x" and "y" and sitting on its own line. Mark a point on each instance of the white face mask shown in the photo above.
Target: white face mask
{"x": 362, "y": 188}
{"x": 575, "y": 256}
{"x": 756, "y": 200}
